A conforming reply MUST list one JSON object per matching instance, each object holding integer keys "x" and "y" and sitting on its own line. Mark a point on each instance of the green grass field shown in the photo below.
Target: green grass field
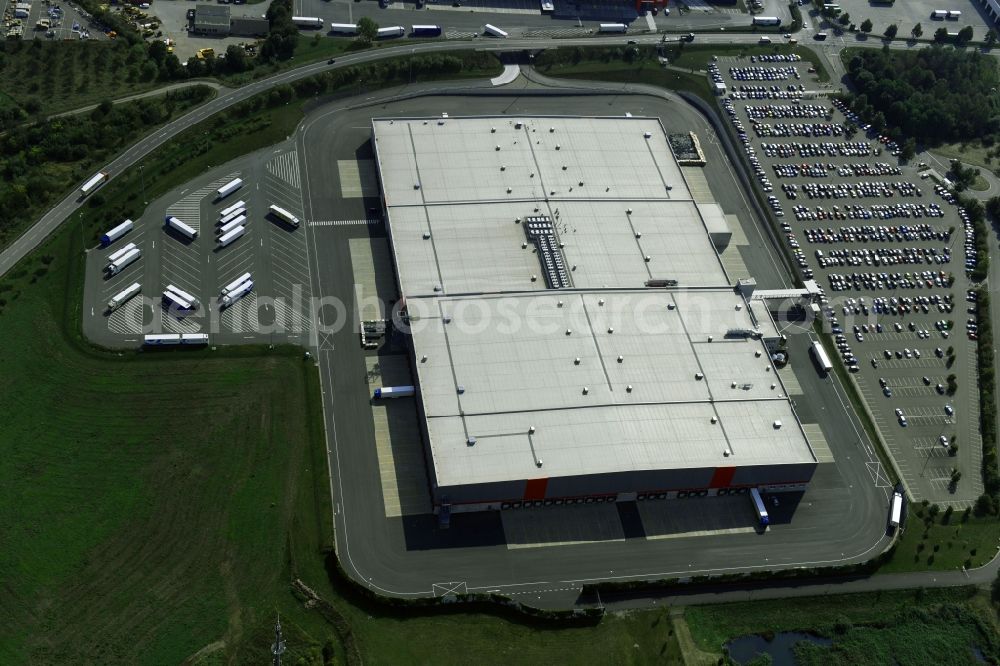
{"x": 942, "y": 545}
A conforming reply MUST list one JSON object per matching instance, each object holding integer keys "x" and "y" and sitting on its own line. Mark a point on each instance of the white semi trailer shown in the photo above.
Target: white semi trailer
{"x": 111, "y": 236}
{"x": 235, "y": 283}
{"x": 307, "y": 22}
{"x": 93, "y": 183}
{"x": 237, "y": 221}
{"x": 118, "y": 254}
{"x": 237, "y": 293}
{"x": 226, "y": 211}
{"x": 394, "y": 392}
{"x": 183, "y": 294}
{"x": 125, "y": 294}
{"x": 163, "y": 339}
{"x": 232, "y": 216}
{"x": 284, "y": 215}
{"x": 117, "y": 266}
{"x": 229, "y": 188}
{"x": 181, "y": 228}
{"x": 229, "y": 237}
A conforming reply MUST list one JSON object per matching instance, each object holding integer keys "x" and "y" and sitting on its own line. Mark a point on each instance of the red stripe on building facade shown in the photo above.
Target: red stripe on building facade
{"x": 534, "y": 489}
{"x": 723, "y": 477}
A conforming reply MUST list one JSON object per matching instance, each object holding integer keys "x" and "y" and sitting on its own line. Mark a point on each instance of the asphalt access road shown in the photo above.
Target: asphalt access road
{"x": 841, "y": 519}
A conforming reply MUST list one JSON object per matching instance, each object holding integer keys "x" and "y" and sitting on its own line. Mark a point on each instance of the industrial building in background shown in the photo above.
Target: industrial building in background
{"x": 574, "y": 335}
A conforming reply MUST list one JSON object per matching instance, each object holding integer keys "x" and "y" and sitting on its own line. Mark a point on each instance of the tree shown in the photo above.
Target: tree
{"x": 890, "y": 32}
{"x": 941, "y": 35}
{"x": 866, "y": 26}
{"x": 964, "y": 36}
{"x": 917, "y": 31}
{"x": 236, "y": 58}
{"x": 844, "y": 19}
{"x": 909, "y": 150}
{"x": 367, "y": 30}
{"x": 991, "y": 38}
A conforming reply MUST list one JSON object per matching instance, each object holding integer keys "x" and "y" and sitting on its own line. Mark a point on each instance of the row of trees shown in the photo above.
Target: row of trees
{"x": 40, "y": 161}
{"x": 941, "y": 36}
{"x": 933, "y": 95}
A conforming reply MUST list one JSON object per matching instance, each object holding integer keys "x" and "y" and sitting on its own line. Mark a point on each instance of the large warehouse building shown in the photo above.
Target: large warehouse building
{"x": 574, "y": 335}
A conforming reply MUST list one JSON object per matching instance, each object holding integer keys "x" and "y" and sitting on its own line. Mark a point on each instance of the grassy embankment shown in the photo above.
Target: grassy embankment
{"x": 907, "y": 627}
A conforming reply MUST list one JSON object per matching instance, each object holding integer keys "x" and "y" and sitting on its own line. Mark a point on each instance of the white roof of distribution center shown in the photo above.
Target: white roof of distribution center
{"x": 498, "y": 351}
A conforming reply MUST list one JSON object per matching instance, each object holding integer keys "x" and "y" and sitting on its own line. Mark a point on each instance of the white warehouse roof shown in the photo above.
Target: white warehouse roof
{"x": 613, "y": 376}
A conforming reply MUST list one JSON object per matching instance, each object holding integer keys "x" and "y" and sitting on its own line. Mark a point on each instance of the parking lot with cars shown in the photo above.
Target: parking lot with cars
{"x": 891, "y": 252}
{"x": 192, "y": 276}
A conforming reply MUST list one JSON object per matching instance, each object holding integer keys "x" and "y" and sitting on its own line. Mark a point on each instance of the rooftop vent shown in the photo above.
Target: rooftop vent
{"x": 699, "y": 376}
{"x": 471, "y": 441}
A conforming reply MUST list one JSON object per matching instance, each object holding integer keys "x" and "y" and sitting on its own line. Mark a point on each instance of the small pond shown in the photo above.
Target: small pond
{"x": 746, "y": 648}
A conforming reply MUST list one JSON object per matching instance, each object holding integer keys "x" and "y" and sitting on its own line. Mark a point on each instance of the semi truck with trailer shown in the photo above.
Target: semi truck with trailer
{"x": 758, "y": 504}
{"x": 194, "y": 338}
{"x": 229, "y": 188}
{"x": 494, "y": 31}
{"x": 344, "y": 28}
{"x": 766, "y": 20}
{"x": 391, "y": 31}
{"x": 612, "y": 27}
{"x": 230, "y": 236}
{"x": 229, "y": 209}
{"x": 896, "y": 510}
{"x": 122, "y": 296}
{"x": 109, "y": 237}
{"x": 821, "y": 358}
{"x": 425, "y": 30}
{"x": 121, "y": 252}
{"x": 283, "y": 215}
{"x": 394, "y": 392}
{"x": 237, "y": 221}
{"x": 93, "y": 183}
{"x": 117, "y": 266}
{"x": 308, "y": 22}
{"x": 235, "y": 283}
{"x": 181, "y": 228}
{"x": 237, "y": 293}
{"x": 183, "y": 294}
{"x": 239, "y": 212}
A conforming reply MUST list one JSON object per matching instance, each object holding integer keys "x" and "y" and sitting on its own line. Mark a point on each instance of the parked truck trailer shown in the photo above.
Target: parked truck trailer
{"x": 118, "y": 254}
{"x": 283, "y": 215}
{"x": 181, "y": 228}
{"x": 109, "y": 237}
{"x": 229, "y": 188}
{"x": 237, "y": 293}
{"x": 237, "y": 221}
{"x": 231, "y": 236}
{"x": 122, "y": 296}
{"x": 494, "y": 31}
{"x": 612, "y": 27}
{"x": 117, "y": 266}
{"x": 229, "y": 209}
{"x": 235, "y": 283}
{"x": 394, "y": 392}
{"x": 308, "y": 22}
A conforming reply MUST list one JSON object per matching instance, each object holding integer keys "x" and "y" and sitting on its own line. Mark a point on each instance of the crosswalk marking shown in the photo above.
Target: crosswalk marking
{"x": 342, "y": 223}
{"x": 188, "y": 209}
{"x": 286, "y": 167}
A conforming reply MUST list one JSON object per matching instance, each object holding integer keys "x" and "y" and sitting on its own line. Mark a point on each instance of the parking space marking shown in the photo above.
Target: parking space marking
{"x": 188, "y": 209}
{"x": 128, "y": 318}
{"x": 698, "y": 533}
{"x": 558, "y": 32}
{"x": 286, "y": 167}
{"x": 358, "y": 179}
{"x": 241, "y": 316}
{"x": 173, "y": 324}
{"x": 817, "y": 441}
{"x": 789, "y": 380}
{"x": 458, "y": 34}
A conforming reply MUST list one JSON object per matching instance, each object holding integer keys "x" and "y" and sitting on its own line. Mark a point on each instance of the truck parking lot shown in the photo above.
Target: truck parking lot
{"x": 891, "y": 252}
{"x": 195, "y": 270}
